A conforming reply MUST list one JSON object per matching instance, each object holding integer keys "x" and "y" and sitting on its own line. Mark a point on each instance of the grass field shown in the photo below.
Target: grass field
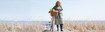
{"x": 20, "y": 27}
{"x": 39, "y": 27}
{"x": 84, "y": 26}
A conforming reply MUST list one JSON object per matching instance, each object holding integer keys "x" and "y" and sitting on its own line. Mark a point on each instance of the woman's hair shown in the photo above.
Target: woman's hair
{"x": 58, "y": 3}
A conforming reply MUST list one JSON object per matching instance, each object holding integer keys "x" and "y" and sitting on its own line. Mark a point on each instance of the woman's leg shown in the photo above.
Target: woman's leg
{"x": 61, "y": 27}
{"x": 57, "y": 27}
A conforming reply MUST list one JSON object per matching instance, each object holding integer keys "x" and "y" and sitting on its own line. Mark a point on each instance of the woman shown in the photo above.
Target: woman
{"x": 58, "y": 19}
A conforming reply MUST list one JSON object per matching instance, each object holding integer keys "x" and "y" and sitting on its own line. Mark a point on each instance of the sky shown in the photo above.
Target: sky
{"x": 37, "y": 10}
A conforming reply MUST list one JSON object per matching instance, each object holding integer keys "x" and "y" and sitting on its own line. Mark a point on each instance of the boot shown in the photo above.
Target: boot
{"x": 61, "y": 26}
{"x": 57, "y": 27}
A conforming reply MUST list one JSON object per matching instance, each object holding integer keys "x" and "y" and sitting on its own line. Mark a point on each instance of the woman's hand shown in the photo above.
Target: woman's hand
{"x": 56, "y": 11}
{"x": 60, "y": 11}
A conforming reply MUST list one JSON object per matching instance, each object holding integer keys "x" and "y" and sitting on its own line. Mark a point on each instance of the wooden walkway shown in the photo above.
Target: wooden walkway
{"x": 52, "y": 26}
{"x": 57, "y": 31}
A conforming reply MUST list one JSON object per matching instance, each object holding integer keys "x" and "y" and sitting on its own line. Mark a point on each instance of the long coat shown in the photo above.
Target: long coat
{"x": 58, "y": 19}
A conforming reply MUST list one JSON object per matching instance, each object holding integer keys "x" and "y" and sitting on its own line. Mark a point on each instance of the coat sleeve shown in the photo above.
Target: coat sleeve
{"x": 54, "y": 7}
{"x": 61, "y": 8}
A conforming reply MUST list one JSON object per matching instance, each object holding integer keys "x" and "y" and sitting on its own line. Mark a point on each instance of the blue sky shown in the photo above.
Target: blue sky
{"x": 37, "y": 10}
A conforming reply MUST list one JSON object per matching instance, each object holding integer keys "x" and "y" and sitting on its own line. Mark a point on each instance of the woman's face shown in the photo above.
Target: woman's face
{"x": 58, "y": 3}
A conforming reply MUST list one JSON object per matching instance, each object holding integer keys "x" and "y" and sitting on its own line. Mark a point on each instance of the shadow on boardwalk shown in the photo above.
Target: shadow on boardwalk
{"x": 57, "y": 31}
{"x": 46, "y": 31}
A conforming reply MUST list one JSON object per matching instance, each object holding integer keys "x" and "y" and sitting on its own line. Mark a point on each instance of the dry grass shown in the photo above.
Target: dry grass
{"x": 20, "y": 27}
{"x": 38, "y": 27}
{"x": 84, "y": 27}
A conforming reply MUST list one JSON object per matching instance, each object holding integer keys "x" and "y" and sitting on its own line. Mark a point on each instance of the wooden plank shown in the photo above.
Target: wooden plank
{"x": 57, "y": 31}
